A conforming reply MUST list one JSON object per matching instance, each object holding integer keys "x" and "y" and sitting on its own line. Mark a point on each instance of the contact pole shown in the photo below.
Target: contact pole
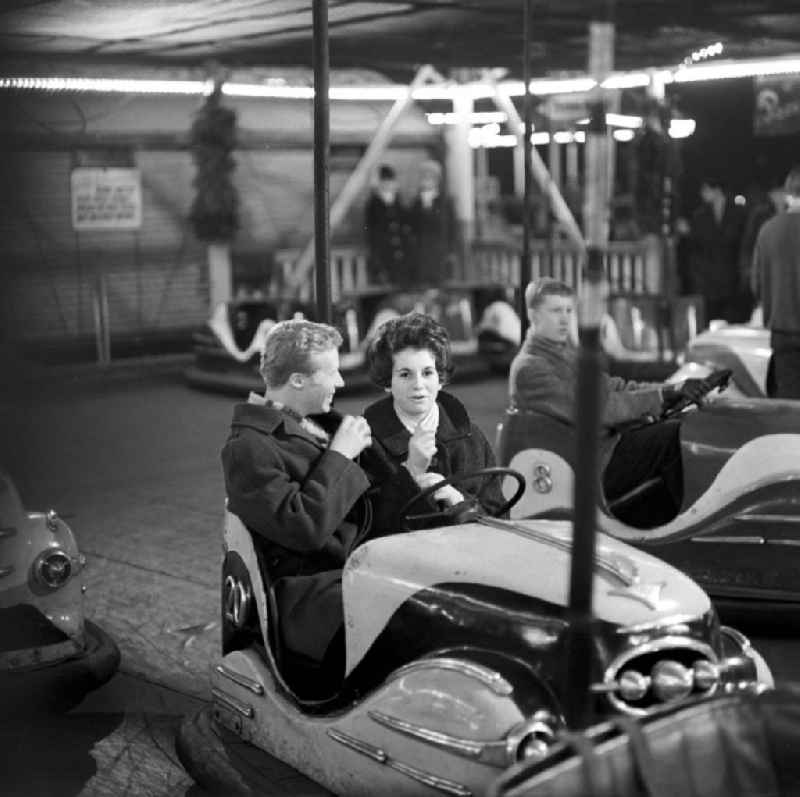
{"x": 322, "y": 147}
{"x": 527, "y": 112}
{"x": 588, "y": 408}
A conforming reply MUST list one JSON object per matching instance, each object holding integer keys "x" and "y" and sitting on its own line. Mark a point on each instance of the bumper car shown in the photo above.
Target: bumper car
{"x": 50, "y": 655}
{"x": 738, "y": 529}
{"x": 629, "y": 335}
{"x": 744, "y": 349}
{"x": 455, "y": 643}
{"x": 227, "y": 349}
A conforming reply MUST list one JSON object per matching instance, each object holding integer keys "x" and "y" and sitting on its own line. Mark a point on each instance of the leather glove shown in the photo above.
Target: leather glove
{"x": 670, "y": 395}
{"x": 694, "y": 390}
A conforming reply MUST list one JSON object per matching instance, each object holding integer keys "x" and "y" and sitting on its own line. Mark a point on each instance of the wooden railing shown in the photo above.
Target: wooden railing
{"x": 633, "y": 267}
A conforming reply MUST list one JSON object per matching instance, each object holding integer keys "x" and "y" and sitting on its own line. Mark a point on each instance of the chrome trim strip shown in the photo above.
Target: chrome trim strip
{"x": 7, "y": 531}
{"x": 232, "y": 703}
{"x": 434, "y": 781}
{"x": 651, "y": 625}
{"x": 381, "y": 757}
{"x": 763, "y": 518}
{"x": 375, "y": 753}
{"x": 6, "y": 570}
{"x": 489, "y": 678}
{"x": 242, "y": 680}
{"x": 605, "y": 564}
{"x": 492, "y": 753}
{"x": 731, "y": 540}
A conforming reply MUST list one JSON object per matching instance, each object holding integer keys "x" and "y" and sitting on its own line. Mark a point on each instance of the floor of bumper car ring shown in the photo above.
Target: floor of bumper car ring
{"x": 120, "y": 741}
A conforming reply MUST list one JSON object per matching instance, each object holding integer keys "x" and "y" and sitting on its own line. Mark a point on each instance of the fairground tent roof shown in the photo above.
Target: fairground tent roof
{"x": 391, "y": 36}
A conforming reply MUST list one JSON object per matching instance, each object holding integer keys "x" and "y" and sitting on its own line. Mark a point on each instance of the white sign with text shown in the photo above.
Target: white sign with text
{"x": 106, "y": 198}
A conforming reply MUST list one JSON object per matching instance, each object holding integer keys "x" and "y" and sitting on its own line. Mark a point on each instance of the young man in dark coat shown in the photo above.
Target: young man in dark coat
{"x": 297, "y": 487}
{"x": 544, "y": 378}
{"x": 424, "y": 432}
{"x": 387, "y": 227}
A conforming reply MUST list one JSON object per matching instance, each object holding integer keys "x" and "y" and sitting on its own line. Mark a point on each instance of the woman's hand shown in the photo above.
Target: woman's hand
{"x": 421, "y": 448}
{"x": 447, "y": 494}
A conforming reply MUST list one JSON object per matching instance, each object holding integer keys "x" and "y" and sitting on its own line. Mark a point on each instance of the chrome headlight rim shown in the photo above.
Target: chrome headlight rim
{"x": 615, "y": 671}
{"x": 540, "y": 729}
{"x": 53, "y": 568}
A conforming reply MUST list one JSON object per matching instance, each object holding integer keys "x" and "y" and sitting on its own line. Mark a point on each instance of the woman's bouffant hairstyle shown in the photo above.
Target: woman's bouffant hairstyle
{"x": 288, "y": 348}
{"x": 411, "y": 331}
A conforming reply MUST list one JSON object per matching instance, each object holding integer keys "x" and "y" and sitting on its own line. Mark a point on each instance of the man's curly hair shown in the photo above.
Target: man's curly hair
{"x": 410, "y": 331}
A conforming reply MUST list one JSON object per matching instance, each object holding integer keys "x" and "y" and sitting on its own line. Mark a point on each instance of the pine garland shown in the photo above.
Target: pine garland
{"x": 214, "y": 212}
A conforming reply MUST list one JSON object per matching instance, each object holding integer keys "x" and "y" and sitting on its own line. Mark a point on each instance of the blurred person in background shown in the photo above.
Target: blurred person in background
{"x": 715, "y": 236}
{"x": 776, "y": 282}
{"x": 433, "y": 226}
{"x": 764, "y": 205}
{"x": 386, "y": 222}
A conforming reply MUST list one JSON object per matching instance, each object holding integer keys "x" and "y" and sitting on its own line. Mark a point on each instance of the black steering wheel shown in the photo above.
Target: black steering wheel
{"x": 717, "y": 380}
{"x": 470, "y": 507}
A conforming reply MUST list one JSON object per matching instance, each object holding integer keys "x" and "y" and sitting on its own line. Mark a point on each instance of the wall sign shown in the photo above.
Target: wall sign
{"x": 106, "y": 198}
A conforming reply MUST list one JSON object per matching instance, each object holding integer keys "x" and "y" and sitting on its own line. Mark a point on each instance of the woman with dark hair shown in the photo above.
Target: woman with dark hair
{"x": 424, "y": 432}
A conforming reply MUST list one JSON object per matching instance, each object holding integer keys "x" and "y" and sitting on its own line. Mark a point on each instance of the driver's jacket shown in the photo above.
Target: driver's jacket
{"x": 544, "y": 378}
{"x": 302, "y": 502}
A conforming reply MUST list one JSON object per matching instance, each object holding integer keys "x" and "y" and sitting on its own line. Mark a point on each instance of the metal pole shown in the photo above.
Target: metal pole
{"x": 527, "y": 111}
{"x": 588, "y": 411}
{"x": 322, "y": 147}
{"x": 360, "y": 175}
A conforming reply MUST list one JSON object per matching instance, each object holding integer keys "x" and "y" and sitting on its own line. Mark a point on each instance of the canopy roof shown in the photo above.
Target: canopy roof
{"x": 392, "y": 36}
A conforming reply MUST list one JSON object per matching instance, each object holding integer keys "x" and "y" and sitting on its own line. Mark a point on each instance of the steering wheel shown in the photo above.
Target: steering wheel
{"x": 461, "y": 512}
{"x": 715, "y": 380}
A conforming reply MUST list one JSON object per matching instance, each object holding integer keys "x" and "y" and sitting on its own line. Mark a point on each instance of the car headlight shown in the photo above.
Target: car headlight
{"x": 672, "y": 681}
{"x": 52, "y": 568}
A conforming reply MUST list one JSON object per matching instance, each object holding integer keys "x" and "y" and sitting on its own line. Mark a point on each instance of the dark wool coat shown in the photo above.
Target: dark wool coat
{"x": 544, "y": 378}
{"x": 714, "y": 247}
{"x": 461, "y": 447}
{"x": 388, "y": 240}
{"x": 301, "y": 501}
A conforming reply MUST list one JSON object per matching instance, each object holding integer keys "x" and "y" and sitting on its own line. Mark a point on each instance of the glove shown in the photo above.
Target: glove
{"x": 694, "y": 390}
{"x": 691, "y": 389}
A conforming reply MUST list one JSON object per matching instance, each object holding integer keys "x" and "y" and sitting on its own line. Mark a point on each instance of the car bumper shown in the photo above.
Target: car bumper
{"x": 64, "y": 674}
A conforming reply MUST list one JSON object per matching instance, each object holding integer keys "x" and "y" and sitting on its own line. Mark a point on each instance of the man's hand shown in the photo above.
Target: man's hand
{"x": 352, "y": 436}
{"x": 447, "y": 494}
{"x": 421, "y": 448}
{"x": 692, "y": 389}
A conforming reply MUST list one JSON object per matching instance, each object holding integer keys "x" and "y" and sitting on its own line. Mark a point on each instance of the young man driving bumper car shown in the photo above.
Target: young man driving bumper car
{"x": 544, "y": 378}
